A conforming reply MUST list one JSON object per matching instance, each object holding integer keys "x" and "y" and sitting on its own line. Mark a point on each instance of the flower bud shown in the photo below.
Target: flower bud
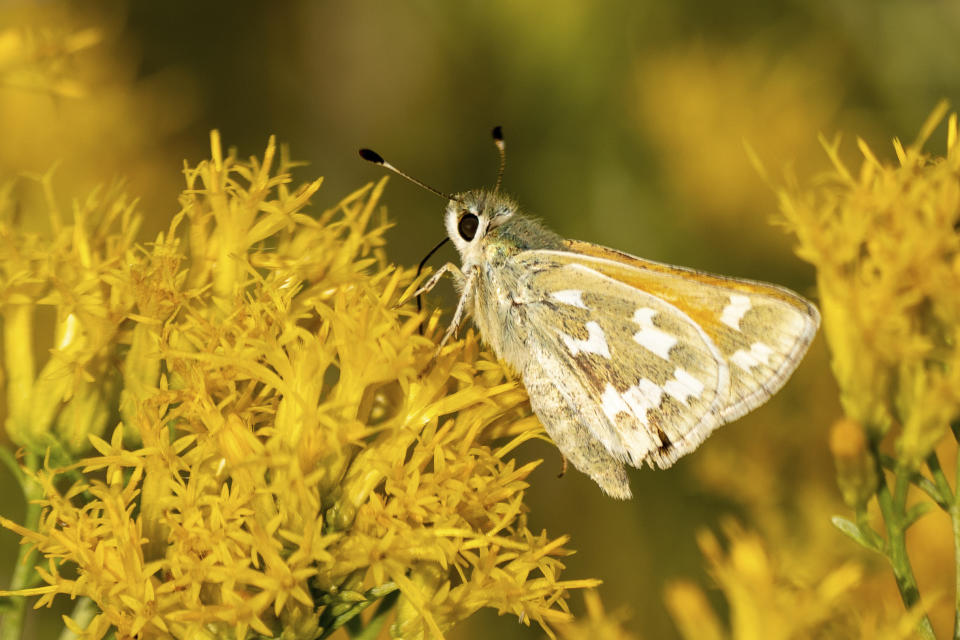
{"x": 856, "y": 471}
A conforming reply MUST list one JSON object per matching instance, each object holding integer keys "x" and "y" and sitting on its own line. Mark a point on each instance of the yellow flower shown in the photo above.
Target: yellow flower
{"x": 289, "y": 452}
{"x": 768, "y": 602}
{"x": 71, "y": 272}
{"x": 596, "y": 624}
{"x": 885, "y": 245}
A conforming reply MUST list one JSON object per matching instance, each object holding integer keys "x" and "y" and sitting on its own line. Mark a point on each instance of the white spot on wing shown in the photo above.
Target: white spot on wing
{"x": 683, "y": 387}
{"x": 792, "y": 326}
{"x": 643, "y": 396}
{"x": 612, "y": 404}
{"x": 596, "y": 342}
{"x": 759, "y": 354}
{"x": 733, "y": 313}
{"x": 650, "y": 337}
{"x": 634, "y": 403}
{"x": 572, "y": 297}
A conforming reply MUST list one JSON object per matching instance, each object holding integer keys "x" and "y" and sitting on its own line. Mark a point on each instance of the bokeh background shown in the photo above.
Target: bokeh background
{"x": 626, "y": 125}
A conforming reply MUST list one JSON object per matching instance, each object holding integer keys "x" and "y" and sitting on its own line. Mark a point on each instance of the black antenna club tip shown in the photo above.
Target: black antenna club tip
{"x": 371, "y": 156}
{"x": 498, "y": 134}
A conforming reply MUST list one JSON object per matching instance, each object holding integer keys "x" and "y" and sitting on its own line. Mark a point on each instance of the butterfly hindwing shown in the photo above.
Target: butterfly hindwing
{"x": 640, "y": 374}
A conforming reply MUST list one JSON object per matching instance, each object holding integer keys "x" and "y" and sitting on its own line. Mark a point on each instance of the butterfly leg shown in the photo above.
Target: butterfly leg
{"x": 465, "y": 294}
{"x": 464, "y": 282}
{"x": 450, "y": 268}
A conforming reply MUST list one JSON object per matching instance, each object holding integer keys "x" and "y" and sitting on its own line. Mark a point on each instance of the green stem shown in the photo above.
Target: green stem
{"x": 940, "y": 481}
{"x": 372, "y": 630}
{"x": 953, "y": 508}
{"x": 11, "y": 626}
{"x": 893, "y": 509}
{"x": 935, "y": 490}
{"x": 21, "y": 370}
{"x": 9, "y": 460}
{"x": 84, "y": 611}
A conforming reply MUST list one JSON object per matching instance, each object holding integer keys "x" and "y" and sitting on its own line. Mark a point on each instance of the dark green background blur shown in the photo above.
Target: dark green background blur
{"x": 625, "y": 125}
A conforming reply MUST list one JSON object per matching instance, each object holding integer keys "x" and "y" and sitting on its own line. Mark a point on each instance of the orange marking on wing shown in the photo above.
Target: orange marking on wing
{"x": 642, "y": 274}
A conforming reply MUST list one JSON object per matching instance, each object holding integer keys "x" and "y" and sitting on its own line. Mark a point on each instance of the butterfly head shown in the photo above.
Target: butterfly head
{"x": 471, "y": 216}
{"x": 482, "y": 220}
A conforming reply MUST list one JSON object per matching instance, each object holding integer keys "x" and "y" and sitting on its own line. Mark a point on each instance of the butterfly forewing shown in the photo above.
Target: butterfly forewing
{"x": 761, "y": 329}
{"x": 671, "y": 354}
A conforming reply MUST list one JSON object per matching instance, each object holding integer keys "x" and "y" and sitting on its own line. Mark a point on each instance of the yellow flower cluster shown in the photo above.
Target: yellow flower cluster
{"x": 770, "y": 603}
{"x": 288, "y": 450}
{"x": 596, "y": 624}
{"x": 34, "y": 60}
{"x": 885, "y": 244}
{"x": 886, "y": 247}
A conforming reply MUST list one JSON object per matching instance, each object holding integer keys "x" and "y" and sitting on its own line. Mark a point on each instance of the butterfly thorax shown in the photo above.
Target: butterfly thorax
{"x": 490, "y": 233}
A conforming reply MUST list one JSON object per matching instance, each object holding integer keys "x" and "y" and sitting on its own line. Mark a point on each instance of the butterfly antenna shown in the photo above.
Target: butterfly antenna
{"x": 372, "y": 156}
{"x": 502, "y": 150}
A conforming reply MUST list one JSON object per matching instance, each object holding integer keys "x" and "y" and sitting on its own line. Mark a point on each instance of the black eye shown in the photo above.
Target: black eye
{"x": 468, "y": 226}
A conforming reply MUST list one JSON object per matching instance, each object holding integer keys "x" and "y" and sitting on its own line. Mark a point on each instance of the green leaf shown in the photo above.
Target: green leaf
{"x": 856, "y": 534}
{"x": 916, "y": 512}
{"x": 380, "y": 616}
{"x": 339, "y": 614}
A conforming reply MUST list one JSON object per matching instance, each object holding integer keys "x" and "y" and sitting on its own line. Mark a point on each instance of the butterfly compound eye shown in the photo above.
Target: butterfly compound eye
{"x": 468, "y": 226}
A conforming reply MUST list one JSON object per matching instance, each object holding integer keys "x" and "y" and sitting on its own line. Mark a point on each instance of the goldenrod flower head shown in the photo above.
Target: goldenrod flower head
{"x": 37, "y": 60}
{"x": 596, "y": 624}
{"x": 288, "y": 450}
{"x": 72, "y": 271}
{"x": 767, "y": 600}
{"x": 885, "y": 244}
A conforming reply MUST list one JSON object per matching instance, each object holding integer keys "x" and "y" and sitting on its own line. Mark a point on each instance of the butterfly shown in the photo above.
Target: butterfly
{"x": 626, "y": 361}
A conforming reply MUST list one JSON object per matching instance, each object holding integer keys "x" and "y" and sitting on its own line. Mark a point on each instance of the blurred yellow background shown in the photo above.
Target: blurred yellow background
{"x": 625, "y": 125}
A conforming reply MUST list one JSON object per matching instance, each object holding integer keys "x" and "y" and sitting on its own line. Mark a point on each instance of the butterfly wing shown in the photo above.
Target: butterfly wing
{"x": 655, "y": 357}
{"x": 761, "y": 329}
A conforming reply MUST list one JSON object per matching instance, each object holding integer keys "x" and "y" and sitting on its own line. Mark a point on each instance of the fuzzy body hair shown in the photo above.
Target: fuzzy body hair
{"x": 503, "y": 232}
